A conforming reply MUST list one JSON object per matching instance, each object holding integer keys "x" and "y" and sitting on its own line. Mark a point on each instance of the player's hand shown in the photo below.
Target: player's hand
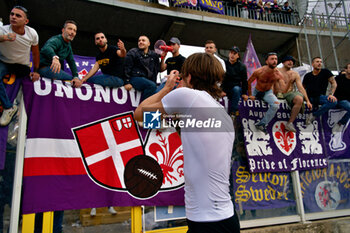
{"x": 309, "y": 105}
{"x": 120, "y": 45}
{"x": 252, "y": 97}
{"x": 77, "y": 82}
{"x": 245, "y": 97}
{"x": 34, "y": 76}
{"x": 11, "y": 37}
{"x": 55, "y": 65}
{"x": 173, "y": 80}
{"x": 332, "y": 98}
{"x": 128, "y": 87}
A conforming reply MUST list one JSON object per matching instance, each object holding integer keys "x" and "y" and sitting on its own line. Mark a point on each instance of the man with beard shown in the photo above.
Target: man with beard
{"x": 294, "y": 98}
{"x": 57, "y": 49}
{"x": 141, "y": 67}
{"x": 173, "y": 63}
{"x": 110, "y": 60}
{"x": 316, "y": 83}
{"x": 266, "y": 76}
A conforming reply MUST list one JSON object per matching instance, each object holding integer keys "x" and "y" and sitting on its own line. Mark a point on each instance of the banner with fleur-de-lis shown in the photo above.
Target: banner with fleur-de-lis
{"x": 279, "y": 149}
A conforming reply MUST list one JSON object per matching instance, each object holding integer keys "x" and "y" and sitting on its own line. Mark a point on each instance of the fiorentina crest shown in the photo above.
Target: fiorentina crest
{"x": 114, "y": 156}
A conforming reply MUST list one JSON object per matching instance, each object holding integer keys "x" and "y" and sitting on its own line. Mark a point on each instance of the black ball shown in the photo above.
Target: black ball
{"x": 143, "y": 176}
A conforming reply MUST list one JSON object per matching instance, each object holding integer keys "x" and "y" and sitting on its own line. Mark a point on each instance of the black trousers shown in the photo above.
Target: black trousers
{"x": 229, "y": 225}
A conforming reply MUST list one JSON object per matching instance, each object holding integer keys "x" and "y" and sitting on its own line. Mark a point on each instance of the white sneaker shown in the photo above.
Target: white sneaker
{"x": 336, "y": 128}
{"x": 7, "y": 115}
{"x": 112, "y": 210}
{"x": 290, "y": 127}
{"x": 309, "y": 119}
{"x": 93, "y": 212}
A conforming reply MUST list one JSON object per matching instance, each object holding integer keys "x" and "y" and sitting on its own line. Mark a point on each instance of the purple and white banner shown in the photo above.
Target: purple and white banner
{"x": 326, "y": 189}
{"x": 279, "y": 149}
{"x": 85, "y": 150}
{"x": 337, "y": 142}
{"x": 261, "y": 190}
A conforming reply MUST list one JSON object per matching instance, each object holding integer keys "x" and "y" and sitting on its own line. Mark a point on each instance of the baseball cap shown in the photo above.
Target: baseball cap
{"x": 235, "y": 49}
{"x": 175, "y": 40}
{"x": 288, "y": 58}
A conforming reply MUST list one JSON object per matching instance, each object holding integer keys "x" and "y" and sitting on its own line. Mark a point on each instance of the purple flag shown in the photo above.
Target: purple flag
{"x": 261, "y": 191}
{"x": 215, "y": 6}
{"x": 179, "y": 3}
{"x": 251, "y": 59}
{"x": 279, "y": 149}
{"x": 326, "y": 189}
{"x": 85, "y": 150}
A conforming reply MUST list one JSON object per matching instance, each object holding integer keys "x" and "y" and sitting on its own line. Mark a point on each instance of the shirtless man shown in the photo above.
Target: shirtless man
{"x": 293, "y": 97}
{"x": 266, "y": 77}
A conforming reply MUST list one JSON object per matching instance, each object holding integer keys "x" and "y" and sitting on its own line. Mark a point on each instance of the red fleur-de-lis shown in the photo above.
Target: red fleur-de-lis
{"x": 286, "y": 137}
{"x": 170, "y": 156}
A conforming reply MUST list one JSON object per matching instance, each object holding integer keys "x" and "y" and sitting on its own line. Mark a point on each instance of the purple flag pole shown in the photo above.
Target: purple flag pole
{"x": 251, "y": 59}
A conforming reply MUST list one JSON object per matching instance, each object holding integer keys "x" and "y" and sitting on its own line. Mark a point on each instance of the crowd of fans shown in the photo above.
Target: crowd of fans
{"x": 257, "y": 9}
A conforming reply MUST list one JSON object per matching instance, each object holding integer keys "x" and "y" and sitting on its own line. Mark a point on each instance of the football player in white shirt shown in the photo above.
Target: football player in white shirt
{"x": 207, "y": 152}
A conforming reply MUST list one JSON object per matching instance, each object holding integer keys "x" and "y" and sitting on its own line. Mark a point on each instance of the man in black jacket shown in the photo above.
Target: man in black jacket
{"x": 235, "y": 80}
{"x": 141, "y": 67}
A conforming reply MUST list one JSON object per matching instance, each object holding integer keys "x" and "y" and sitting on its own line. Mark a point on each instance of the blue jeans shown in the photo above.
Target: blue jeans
{"x": 234, "y": 96}
{"x": 326, "y": 104}
{"x": 47, "y": 73}
{"x": 3, "y": 95}
{"x": 106, "y": 80}
{"x": 273, "y": 102}
{"x": 145, "y": 85}
{"x": 345, "y": 104}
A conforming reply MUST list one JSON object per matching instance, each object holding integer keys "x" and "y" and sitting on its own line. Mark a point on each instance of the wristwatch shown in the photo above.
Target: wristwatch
{"x": 57, "y": 57}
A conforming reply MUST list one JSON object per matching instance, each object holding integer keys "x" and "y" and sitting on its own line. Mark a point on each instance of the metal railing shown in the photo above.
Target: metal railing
{"x": 335, "y": 21}
{"x": 255, "y": 14}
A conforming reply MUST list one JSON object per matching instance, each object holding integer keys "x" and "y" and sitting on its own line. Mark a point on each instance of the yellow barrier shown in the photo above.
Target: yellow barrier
{"x": 28, "y": 223}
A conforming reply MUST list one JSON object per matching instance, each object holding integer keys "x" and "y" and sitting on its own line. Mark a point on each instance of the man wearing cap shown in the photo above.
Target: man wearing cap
{"x": 235, "y": 80}
{"x": 316, "y": 83}
{"x": 294, "y": 98}
{"x": 16, "y": 41}
{"x": 175, "y": 62}
{"x": 266, "y": 76}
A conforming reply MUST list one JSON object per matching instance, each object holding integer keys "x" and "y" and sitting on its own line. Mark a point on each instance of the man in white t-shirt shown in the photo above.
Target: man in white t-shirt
{"x": 16, "y": 42}
{"x": 207, "y": 152}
